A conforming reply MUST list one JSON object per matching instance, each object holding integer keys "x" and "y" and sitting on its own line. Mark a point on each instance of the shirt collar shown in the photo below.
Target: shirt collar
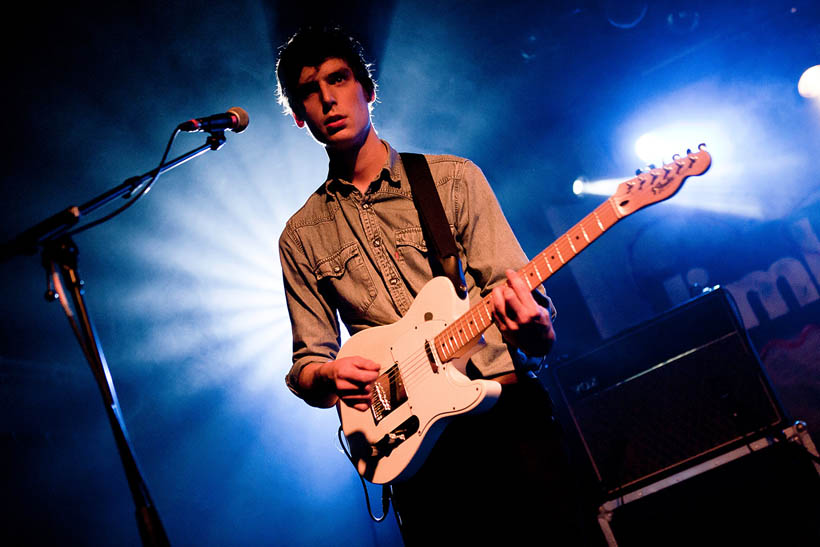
{"x": 390, "y": 173}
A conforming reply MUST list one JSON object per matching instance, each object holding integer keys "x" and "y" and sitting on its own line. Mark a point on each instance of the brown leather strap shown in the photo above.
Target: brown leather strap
{"x": 434, "y": 220}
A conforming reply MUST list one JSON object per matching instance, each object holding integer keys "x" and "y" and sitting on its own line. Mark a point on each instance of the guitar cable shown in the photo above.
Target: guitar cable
{"x": 386, "y": 490}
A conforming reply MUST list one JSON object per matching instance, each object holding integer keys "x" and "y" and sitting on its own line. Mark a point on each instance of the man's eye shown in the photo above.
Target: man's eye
{"x": 306, "y": 90}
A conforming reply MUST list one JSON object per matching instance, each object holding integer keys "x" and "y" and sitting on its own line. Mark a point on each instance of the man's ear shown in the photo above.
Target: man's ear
{"x": 299, "y": 121}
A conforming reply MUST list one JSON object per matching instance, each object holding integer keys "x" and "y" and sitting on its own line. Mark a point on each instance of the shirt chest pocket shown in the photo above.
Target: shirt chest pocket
{"x": 411, "y": 251}
{"x": 346, "y": 281}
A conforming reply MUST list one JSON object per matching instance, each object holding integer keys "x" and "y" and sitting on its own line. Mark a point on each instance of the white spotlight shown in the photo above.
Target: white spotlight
{"x": 809, "y": 84}
{"x": 602, "y": 187}
{"x": 650, "y": 148}
{"x": 578, "y": 186}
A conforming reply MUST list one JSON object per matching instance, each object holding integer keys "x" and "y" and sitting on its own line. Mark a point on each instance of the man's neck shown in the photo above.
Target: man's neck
{"x": 360, "y": 165}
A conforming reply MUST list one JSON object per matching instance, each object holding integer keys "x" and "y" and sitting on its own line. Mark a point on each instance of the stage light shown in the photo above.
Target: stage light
{"x": 578, "y": 186}
{"x": 657, "y": 146}
{"x": 753, "y": 157}
{"x": 649, "y": 147}
{"x": 601, "y": 187}
{"x": 809, "y": 84}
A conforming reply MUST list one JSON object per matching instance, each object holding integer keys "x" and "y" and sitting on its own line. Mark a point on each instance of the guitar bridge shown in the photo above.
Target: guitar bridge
{"x": 394, "y": 438}
{"x": 388, "y": 393}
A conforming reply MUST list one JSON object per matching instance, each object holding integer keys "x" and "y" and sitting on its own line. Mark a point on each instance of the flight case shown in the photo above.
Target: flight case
{"x": 766, "y": 492}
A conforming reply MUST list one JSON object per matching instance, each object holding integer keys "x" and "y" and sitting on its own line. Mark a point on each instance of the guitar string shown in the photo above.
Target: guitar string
{"x": 411, "y": 368}
{"x": 410, "y": 371}
{"x": 409, "y": 379}
{"x": 458, "y": 340}
{"x": 451, "y": 339}
{"x": 407, "y": 366}
{"x": 602, "y": 218}
{"x": 454, "y": 337}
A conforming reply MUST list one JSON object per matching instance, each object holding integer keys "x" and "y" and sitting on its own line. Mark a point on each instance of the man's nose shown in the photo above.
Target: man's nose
{"x": 327, "y": 96}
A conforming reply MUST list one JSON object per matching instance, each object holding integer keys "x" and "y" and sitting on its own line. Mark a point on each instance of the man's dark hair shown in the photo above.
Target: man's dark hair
{"x": 311, "y": 46}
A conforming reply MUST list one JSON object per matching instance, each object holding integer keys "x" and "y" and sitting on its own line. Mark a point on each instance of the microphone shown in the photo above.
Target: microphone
{"x": 235, "y": 119}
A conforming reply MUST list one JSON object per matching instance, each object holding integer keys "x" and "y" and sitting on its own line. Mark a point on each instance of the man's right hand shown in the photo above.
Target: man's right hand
{"x": 349, "y": 379}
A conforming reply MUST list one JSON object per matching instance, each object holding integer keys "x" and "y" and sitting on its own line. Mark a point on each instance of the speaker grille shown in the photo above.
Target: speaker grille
{"x": 673, "y": 390}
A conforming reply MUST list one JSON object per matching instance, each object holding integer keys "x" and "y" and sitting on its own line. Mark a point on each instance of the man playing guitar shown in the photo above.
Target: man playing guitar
{"x": 356, "y": 249}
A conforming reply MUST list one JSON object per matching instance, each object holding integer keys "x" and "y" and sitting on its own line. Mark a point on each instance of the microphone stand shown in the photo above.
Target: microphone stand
{"x": 59, "y": 257}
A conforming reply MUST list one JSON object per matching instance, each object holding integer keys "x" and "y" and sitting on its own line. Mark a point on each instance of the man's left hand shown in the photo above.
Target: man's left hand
{"x": 521, "y": 320}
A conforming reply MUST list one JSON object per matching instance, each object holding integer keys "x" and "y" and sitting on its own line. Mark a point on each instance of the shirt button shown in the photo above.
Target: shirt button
{"x": 377, "y": 242}
{"x": 337, "y": 269}
{"x": 365, "y": 206}
{"x": 393, "y": 280}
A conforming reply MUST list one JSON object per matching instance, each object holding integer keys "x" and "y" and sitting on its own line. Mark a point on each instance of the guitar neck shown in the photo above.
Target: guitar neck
{"x": 645, "y": 189}
{"x": 465, "y": 331}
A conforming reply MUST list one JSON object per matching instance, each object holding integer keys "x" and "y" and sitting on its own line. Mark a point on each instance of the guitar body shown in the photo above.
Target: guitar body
{"x": 422, "y": 383}
{"x": 416, "y": 393}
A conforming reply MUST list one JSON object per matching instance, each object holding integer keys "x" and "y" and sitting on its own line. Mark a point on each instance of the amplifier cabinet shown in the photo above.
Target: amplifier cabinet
{"x": 665, "y": 394}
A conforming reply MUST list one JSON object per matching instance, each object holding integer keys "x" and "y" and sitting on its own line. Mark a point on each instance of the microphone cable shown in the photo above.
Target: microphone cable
{"x": 143, "y": 189}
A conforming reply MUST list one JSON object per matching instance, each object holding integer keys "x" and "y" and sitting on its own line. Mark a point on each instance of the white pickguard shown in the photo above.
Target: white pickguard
{"x": 434, "y": 392}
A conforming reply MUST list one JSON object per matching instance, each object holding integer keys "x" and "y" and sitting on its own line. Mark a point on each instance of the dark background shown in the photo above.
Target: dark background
{"x": 185, "y": 287}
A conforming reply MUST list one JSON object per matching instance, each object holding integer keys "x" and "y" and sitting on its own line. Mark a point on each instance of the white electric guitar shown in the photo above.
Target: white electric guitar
{"x": 423, "y": 355}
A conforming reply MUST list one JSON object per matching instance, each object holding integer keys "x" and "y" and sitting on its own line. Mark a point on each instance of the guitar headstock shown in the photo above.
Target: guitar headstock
{"x": 660, "y": 183}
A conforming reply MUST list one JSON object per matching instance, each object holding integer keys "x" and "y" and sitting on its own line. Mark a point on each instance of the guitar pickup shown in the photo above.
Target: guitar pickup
{"x": 388, "y": 393}
{"x": 430, "y": 357}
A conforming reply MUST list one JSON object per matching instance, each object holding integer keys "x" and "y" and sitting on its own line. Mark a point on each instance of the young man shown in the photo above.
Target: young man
{"x": 356, "y": 247}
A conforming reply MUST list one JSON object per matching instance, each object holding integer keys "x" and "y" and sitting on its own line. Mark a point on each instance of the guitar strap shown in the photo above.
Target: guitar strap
{"x": 434, "y": 223}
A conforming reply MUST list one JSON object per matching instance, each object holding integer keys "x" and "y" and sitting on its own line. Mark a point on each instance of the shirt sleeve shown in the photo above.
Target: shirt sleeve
{"x": 490, "y": 245}
{"x": 314, "y": 322}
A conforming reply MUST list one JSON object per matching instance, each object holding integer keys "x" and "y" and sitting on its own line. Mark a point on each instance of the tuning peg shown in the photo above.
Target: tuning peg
{"x": 651, "y": 165}
{"x": 638, "y": 172}
{"x": 675, "y": 157}
{"x": 701, "y": 146}
{"x": 688, "y": 151}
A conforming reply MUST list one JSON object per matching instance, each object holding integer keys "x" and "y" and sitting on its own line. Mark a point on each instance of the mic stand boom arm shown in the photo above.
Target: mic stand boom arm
{"x": 57, "y": 224}
{"x": 59, "y": 256}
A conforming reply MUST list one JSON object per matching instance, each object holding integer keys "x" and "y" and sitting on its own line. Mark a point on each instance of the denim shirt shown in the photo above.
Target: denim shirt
{"x": 364, "y": 256}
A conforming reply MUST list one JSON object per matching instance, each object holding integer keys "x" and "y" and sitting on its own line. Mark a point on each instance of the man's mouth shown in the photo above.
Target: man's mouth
{"x": 335, "y": 121}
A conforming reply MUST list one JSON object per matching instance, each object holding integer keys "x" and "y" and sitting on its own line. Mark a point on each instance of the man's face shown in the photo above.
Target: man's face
{"x": 334, "y": 105}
